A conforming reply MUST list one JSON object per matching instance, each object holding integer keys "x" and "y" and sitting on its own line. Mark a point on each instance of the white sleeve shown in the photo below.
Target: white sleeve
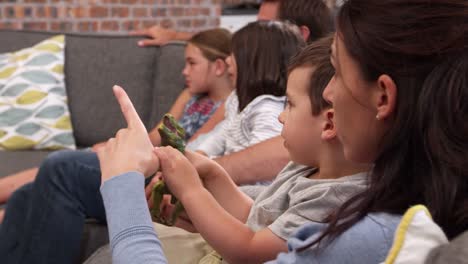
{"x": 214, "y": 142}
{"x": 262, "y": 120}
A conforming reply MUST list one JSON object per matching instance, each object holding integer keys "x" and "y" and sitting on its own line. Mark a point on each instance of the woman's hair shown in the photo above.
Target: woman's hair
{"x": 423, "y": 46}
{"x": 317, "y": 57}
{"x": 262, "y": 50}
{"x": 214, "y": 43}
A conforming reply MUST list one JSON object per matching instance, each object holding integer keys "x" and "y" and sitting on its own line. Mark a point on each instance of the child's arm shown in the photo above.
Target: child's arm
{"x": 176, "y": 111}
{"x": 263, "y": 120}
{"x": 224, "y": 232}
{"x": 218, "y": 182}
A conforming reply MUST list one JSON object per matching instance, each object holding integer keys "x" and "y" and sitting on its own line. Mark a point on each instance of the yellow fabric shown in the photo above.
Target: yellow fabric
{"x": 400, "y": 233}
{"x": 212, "y": 258}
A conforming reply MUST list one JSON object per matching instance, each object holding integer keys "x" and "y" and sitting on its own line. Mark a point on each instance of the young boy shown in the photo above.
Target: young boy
{"x": 243, "y": 230}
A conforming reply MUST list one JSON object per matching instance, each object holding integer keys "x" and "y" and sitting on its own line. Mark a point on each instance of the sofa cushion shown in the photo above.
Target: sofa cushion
{"x": 92, "y": 68}
{"x": 33, "y": 104}
{"x": 15, "y": 161}
{"x": 94, "y": 63}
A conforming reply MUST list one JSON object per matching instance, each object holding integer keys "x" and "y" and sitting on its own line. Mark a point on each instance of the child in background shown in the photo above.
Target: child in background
{"x": 208, "y": 84}
{"x": 247, "y": 231}
{"x": 258, "y": 66}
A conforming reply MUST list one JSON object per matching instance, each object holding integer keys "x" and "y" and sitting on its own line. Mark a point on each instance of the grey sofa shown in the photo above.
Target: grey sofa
{"x": 93, "y": 64}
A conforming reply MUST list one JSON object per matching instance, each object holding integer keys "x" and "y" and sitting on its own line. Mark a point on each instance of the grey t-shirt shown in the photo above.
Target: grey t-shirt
{"x": 293, "y": 199}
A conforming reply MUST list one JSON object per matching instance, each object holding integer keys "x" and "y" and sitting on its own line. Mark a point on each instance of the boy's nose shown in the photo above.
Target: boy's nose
{"x": 281, "y": 118}
{"x": 185, "y": 71}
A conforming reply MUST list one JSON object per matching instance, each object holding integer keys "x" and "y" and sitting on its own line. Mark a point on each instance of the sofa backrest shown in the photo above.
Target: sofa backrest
{"x": 94, "y": 63}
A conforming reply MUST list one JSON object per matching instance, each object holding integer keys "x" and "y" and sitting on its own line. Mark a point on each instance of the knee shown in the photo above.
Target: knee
{"x": 58, "y": 157}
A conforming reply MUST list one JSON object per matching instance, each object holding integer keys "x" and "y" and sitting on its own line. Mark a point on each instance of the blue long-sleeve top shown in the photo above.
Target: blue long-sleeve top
{"x": 133, "y": 240}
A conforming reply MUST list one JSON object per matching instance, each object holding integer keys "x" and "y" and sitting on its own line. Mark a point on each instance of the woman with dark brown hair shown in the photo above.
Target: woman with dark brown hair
{"x": 400, "y": 96}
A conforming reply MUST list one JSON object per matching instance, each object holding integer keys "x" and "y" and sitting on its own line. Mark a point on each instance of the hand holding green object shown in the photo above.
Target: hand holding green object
{"x": 172, "y": 134}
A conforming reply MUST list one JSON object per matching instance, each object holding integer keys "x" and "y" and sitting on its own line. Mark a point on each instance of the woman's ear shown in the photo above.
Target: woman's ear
{"x": 305, "y": 32}
{"x": 386, "y": 97}
{"x": 220, "y": 67}
{"x": 328, "y": 126}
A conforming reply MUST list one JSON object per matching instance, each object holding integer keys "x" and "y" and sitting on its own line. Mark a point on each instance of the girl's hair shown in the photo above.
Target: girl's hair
{"x": 262, "y": 50}
{"x": 423, "y": 46}
{"x": 214, "y": 43}
{"x": 317, "y": 57}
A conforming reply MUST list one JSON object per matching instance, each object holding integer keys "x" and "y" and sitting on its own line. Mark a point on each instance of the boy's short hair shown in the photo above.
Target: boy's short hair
{"x": 314, "y": 14}
{"x": 316, "y": 56}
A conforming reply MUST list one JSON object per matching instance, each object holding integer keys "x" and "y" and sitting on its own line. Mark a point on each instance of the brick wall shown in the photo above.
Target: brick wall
{"x": 330, "y": 3}
{"x": 108, "y": 15}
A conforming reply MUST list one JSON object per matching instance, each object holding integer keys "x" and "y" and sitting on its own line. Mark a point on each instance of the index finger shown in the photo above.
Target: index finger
{"x": 126, "y": 106}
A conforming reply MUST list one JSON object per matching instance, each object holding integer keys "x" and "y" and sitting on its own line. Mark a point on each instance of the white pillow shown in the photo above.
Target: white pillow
{"x": 33, "y": 103}
{"x": 415, "y": 237}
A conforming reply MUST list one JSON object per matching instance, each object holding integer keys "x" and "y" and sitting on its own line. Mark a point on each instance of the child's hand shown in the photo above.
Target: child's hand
{"x": 204, "y": 165}
{"x": 179, "y": 174}
{"x": 131, "y": 149}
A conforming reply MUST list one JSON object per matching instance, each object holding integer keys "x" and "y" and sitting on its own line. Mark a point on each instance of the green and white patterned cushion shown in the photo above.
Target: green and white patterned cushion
{"x": 33, "y": 102}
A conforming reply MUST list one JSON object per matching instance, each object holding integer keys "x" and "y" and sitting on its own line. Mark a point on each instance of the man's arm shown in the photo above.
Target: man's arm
{"x": 160, "y": 36}
{"x": 260, "y": 162}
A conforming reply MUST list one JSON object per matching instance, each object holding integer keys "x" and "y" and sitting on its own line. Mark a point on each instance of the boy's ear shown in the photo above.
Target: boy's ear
{"x": 220, "y": 67}
{"x": 305, "y": 32}
{"x": 328, "y": 127}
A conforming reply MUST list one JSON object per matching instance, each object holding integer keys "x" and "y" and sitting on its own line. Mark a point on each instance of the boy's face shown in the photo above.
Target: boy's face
{"x": 302, "y": 132}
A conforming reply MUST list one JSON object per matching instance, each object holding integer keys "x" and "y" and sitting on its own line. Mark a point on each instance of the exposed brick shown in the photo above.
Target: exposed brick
{"x": 109, "y": 26}
{"x": 128, "y": 1}
{"x": 197, "y": 23}
{"x": 52, "y": 10}
{"x": 167, "y": 23}
{"x": 35, "y": 25}
{"x": 19, "y": 12}
{"x": 184, "y": 23}
{"x": 148, "y": 23}
{"x": 191, "y": 11}
{"x": 39, "y": 11}
{"x": 131, "y": 25}
{"x": 98, "y": 11}
{"x": 205, "y": 11}
{"x": 108, "y": 15}
{"x": 120, "y": 11}
{"x": 62, "y": 11}
{"x": 176, "y": 11}
{"x": 46, "y": 12}
{"x": 35, "y": 1}
{"x": 28, "y": 12}
{"x": 79, "y": 12}
{"x": 10, "y": 12}
{"x": 87, "y": 26}
{"x": 158, "y": 12}
{"x": 140, "y": 12}
{"x": 10, "y": 25}
{"x": 61, "y": 26}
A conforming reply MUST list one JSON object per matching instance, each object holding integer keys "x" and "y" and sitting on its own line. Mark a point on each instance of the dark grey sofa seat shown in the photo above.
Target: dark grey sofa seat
{"x": 93, "y": 64}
